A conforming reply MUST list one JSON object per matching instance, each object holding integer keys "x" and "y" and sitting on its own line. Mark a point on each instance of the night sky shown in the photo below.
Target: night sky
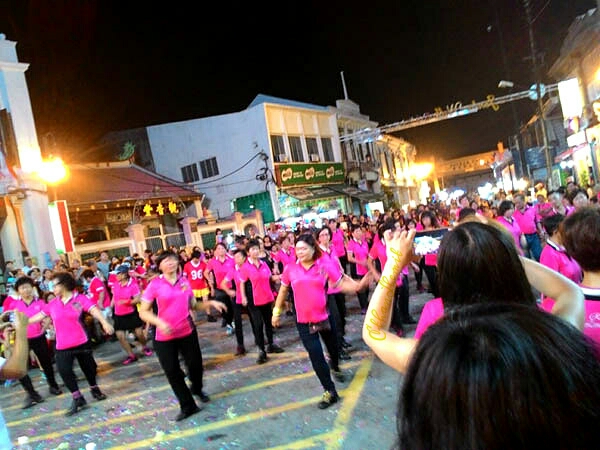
{"x": 100, "y": 66}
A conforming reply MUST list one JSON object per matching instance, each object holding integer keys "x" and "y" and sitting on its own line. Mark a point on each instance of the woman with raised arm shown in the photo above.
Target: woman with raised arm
{"x": 176, "y": 333}
{"x": 309, "y": 277}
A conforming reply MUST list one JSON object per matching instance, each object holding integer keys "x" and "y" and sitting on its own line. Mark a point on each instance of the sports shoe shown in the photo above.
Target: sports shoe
{"x": 289, "y": 313}
{"x": 339, "y": 376}
{"x": 274, "y": 348}
{"x": 32, "y": 399}
{"x": 240, "y": 351}
{"x": 346, "y": 344}
{"x": 328, "y": 399}
{"x": 185, "y": 414}
{"x": 76, "y": 405}
{"x": 130, "y": 359}
{"x": 204, "y": 398}
{"x": 147, "y": 351}
{"x": 98, "y": 394}
{"x": 344, "y": 356}
{"x": 229, "y": 330}
{"x": 262, "y": 357}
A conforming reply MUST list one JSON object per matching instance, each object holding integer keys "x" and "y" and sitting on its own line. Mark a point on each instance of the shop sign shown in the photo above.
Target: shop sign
{"x": 576, "y": 139}
{"x": 315, "y": 173}
{"x": 160, "y": 209}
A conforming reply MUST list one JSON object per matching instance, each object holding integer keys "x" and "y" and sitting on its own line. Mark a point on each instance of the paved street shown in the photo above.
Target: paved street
{"x": 271, "y": 406}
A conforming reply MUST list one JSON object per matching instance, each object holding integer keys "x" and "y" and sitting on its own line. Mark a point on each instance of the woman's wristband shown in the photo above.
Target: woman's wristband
{"x": 276, "y": 311}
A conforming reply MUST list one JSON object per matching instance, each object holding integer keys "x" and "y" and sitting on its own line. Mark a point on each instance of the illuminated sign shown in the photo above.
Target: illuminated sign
{"x": 317, "y": 173}
{"x": 570, "y": 98}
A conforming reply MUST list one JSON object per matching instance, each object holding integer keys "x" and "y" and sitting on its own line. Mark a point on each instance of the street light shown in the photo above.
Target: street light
{"x": 52, "y": 171}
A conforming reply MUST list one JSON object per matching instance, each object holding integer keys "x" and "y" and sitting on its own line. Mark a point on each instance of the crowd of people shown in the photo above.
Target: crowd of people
{"x": 509, "y": 270}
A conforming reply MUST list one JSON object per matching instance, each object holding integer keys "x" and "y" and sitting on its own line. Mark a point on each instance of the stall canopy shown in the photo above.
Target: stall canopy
{"x": 331, "y": 191}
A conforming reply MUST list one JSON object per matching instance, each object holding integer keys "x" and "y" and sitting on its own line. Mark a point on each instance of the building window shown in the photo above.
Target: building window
{"x": 313, "y": 149}
{"x": 278, "y": 148}
{"x": 209, "y": 168}
{"x": 327, "y": 149}
{"x": 296, "y": 149}
{"x": 190, "y": 173}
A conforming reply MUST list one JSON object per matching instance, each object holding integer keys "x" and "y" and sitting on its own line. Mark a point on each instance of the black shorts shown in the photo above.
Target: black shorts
{"x": 128, "y": 322}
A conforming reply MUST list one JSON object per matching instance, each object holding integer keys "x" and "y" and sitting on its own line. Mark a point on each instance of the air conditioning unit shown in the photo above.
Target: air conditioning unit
{"x": 282, "y": 157}
{"x": 315, "y": 158}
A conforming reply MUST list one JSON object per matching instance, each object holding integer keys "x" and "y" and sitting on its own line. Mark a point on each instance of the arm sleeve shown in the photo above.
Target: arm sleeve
{"x": 285, "y": 276}
{"x": 149, "y": 293}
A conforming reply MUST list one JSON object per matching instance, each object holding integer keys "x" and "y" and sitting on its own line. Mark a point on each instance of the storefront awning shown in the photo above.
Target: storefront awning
{"x": 332, "y": 191}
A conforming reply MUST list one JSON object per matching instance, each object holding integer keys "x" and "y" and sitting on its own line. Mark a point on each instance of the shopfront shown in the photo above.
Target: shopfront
{"x": 577, "y": 161}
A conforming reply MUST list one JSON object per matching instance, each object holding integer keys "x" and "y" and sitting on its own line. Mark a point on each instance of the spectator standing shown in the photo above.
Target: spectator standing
{"x": 526, "y": 217}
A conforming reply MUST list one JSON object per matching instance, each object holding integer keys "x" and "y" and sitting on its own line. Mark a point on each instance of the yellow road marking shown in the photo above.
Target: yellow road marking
{"x": 164, "y": 387}
{"x": 317, "y": 441}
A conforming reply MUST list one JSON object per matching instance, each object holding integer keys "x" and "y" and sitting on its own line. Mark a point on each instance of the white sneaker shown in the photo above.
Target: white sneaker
{"x": 229, "y": 330}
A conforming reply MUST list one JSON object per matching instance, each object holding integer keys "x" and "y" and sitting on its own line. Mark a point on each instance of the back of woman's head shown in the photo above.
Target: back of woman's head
{"x": 501, "y": 376}
{"x": 479, "y": 262}
{"x": 581, "y": 237}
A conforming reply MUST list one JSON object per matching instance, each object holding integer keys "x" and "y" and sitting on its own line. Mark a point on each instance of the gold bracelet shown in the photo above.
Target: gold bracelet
{"x": 276, "y": 311}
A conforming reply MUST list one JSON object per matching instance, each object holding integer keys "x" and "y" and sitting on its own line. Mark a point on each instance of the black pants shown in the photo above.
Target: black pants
{"x": 312, "y": 344}
{"x": 237, "y": 320}
{"x": 39, "y": 346}
{"x": 261, "y": 319}
{"x": 168, "y": 355}
{"x": 431, "y": 272}
{"x": 64, "y": 362}
{"x": 363, "y": 298}
{"x": 344, "y": 262}
{"x": 419, "y": 274}
{"x": 221, "y": 296}
{"x": 401, "y": 300}
{"x": 337, "y": 316}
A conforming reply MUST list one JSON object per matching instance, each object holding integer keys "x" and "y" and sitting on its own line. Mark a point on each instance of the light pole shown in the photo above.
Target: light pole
{"x": 540, "y": 103}
{"x": 53, "y": 171}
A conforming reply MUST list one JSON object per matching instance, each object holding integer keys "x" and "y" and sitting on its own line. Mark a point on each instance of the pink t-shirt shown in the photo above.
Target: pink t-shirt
{"x": 173, "y": 303}
{"x": 338, "y": 242}
{"x": 233, "y": 276}
{"x": 220, "y": 268}
{"x": 378, "y": 251}
{"x": 34, "y": 330}
{"x": 514, "y": 229}
{"x": 122, "y": 297}
{"x": 68, "y": 320}
{"x": 360, "y": 251}
{"x": 284, "y": 257}
{"x": 432, "y": 312}
{"x": 308, "y": 286}
{"x": 95, "y": 289}
{"x": 557, "y": 259}
{"x": 526, "y": 219}
{"x": 592, "y": 312}
{"x": 332, "y": 258}
{"x": 259, "y": 277}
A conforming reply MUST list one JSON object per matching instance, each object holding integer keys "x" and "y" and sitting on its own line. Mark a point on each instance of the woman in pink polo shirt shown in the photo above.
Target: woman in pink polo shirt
{"x": 125, "y": 297}
{"x": 357, "y": 250}
{"x": 505, "y": 217}
{"x": 309, "y": 278}
{"x": 72, "y": 342}
{"x": 554, "y": 254}
{"x": 216, "y": 269}
{"x": 30, "y": 305}
{"x": 176, "y": 333}
{"x": 257, "y": 273}
{"x": 284, "y": 256}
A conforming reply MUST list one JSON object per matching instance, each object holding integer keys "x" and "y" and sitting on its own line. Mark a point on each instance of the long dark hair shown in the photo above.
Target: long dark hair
{"x": 479, "y": 262}
{"x": 488, "y": 376}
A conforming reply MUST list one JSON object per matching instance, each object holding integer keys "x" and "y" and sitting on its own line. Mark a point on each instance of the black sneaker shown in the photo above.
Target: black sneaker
{"x": 274, "y": 348}
{"x": 346, "y": 344}
{"x": 32, "y": 399}
{"x": 55, "y": 390}
{"x": 76, "y": 405}
{"x": 328, "y": 399}
{"x": 339, "y": 376}
{"x": 262, "y": 357}
{"x": 240, "y": 351}
{"x": 203, "y": 397}
{"x": 185, "y": 414}
{"x": 344, "y": 356}
{"x": 98, "y": 394}
{"x": 289, "y": 313}
{"x": 211, "y": 318}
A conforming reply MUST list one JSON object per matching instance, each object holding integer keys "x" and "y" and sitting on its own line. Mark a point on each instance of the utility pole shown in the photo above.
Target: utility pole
{"x": 540, "y": 102}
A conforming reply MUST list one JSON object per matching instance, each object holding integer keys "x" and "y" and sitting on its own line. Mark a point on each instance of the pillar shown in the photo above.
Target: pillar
{"x": 136, "y": 234}
{"x": 190, "y": 231}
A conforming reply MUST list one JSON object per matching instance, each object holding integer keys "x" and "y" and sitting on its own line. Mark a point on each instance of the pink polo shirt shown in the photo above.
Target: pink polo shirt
{"x": 68, "y": 320}
{"x": 332, "y": 258}
{"x": 234, "y": 276}
{"x": 526, "y": 220}
{"x": 514, "y": 229}
{"x": 284, "y": 257}
{"x": 259, "y": 278}
{"x": 308, "y": 286}
{"x": 432, "y": 312}
{"x": 220, "y": 268}
{"x": 34, "y": 330}
{"x": 338, "y": 242}
{"x": 95, "y": 289}
{"x": 592, "y": 312}
{"x": 360, "y": 251}
{"x": 173, "y": 304}
{"x": 556, "y": 258}
{"x": 122, "y": 297}
{"x": 378, "y": 251}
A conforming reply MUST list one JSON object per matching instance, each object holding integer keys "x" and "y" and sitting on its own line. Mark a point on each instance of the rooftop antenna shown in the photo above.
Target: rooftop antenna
{"x": 344, "y": 85}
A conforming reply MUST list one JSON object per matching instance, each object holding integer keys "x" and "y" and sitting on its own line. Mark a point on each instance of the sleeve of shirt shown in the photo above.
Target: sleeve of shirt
{"x": 285, "y": 276}
{"x": 432, "y": 311}
{"x": 7, "y": 305}
{"x": 334, "y": 273}
{"x": 149, "y": 293}
{"x": 373, "y": 252}
{"x": 86, "y": 302}
{"x": 243, "y": 273}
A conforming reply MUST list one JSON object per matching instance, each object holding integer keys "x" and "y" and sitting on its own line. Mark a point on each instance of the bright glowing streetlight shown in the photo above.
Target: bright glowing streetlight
{"x": 52, "y": 171}
{"x": 422, "y": 171}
